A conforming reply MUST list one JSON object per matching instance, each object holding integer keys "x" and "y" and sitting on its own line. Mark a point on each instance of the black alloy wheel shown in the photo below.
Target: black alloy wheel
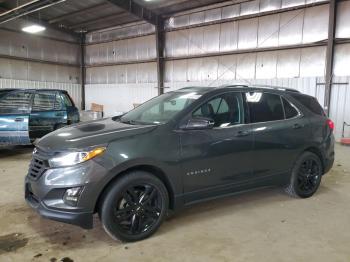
{"x": 306, "y": 176}
{"x": 134, "y": 206}
{"x": 138, "y": 209}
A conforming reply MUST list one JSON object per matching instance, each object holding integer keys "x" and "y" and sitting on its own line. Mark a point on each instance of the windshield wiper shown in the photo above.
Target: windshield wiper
{"x": 129, "y": 122}
{"x": 135, "y": 122}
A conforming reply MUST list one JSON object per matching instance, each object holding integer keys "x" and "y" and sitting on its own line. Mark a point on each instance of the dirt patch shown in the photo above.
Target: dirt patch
{"x": 12, "y": 242}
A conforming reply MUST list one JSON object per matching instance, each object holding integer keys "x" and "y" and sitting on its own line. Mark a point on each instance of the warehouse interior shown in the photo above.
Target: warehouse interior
{"x": 121, "y": 53}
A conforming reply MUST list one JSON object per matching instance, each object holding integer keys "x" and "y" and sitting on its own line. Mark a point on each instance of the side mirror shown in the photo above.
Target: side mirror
{"x": 199, "y": 123}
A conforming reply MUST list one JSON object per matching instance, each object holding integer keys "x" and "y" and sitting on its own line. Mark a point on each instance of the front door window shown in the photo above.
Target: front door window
{"x": 225, "y": 110}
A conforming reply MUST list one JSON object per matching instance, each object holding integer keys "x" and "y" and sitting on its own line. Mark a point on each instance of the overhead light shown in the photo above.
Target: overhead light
{"x": 33, "y": 29}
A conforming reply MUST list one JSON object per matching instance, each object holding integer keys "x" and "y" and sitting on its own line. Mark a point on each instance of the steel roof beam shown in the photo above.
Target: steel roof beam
{"x": 99, "y": 20}
{"x": 137, "y": 10}
{"x": 94, "y": 8}
{"x": 27, "y": 9}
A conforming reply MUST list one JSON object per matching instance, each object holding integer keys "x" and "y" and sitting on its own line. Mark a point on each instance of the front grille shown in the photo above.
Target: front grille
{"x": 37, "y": 166}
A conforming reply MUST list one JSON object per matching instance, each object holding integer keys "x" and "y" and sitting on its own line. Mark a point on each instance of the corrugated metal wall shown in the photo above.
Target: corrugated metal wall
{"x": 233, "y": 11}
{"x": 295, "y": 27}
{"x": 28, "y": 46}
{"x": 47, "y": 60}
{"x": 340, "y": 105}
{"x": 25, "y": 70}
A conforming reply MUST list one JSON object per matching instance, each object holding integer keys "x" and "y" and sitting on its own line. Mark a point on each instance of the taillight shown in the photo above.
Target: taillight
{"x": 330, "y": 123}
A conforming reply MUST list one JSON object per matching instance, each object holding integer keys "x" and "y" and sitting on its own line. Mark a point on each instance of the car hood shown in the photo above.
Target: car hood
{"x": 89, "y": 134}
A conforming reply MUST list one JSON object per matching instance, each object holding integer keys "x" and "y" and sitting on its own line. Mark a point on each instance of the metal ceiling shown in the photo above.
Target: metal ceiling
{"x": 91, "y": 15}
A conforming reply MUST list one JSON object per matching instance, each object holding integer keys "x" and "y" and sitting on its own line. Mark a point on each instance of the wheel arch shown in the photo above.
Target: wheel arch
{"x": 156, "y": 171}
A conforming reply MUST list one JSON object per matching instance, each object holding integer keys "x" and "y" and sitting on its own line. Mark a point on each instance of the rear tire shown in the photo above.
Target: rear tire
{"x": 134, "y": 206}
{"x": 306, "y": 176}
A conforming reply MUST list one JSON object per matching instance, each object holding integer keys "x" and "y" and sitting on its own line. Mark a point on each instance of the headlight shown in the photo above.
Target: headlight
{"x": 73, "y": 158}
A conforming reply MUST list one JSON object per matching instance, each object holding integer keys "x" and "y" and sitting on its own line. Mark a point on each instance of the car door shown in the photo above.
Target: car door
{"x": 47, "y": 113}
{"x": 214, "y": 160}
{"x": 278, "y": 131}
{"x": 72, "y": 110}
{"x": 14, "y": 115}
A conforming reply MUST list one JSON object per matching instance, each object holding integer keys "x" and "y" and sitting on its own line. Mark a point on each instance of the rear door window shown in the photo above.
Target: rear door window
{"x": 310, "y": 103}
{"x": 15, "y": 103}
{"x": 46, "y": 102}
{"x": 264, "y": 107}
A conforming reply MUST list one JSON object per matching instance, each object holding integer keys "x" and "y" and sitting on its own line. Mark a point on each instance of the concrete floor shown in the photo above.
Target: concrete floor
{"x": 260, "y": 226}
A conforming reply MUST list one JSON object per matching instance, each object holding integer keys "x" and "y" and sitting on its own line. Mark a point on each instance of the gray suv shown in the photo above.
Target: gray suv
{"x": 180, "y": 148}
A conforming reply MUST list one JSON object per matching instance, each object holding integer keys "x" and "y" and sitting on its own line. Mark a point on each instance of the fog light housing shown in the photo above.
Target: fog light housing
{"x": 71, "y": 196}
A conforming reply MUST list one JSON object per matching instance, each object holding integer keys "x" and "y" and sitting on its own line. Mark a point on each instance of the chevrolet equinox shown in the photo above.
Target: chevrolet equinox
{"x": 177, "y": 149}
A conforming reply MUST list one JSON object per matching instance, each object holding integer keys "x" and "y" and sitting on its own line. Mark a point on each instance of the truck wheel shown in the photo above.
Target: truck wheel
{"x": 306, "y": 176}
{"x": 134, "y": 206}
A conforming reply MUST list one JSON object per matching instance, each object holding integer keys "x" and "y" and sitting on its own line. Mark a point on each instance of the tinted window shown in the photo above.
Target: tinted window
{"x": 15, "y": 103}
{"x": 264, "y": 107}
{"x": 66, "y": 100}
{"x": 310, "y": 103}
{"x": 289, "y": 109}
{"x": 46, "y": 102}
{"x": 225, "y": 110}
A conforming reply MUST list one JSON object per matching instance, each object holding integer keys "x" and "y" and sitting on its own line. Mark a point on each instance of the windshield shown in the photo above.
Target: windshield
{"x": 161, "y": 109}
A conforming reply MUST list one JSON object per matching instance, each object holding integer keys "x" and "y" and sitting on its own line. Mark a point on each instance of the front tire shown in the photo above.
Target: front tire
{"x": 134, "y": 206}
{"x": 306, "y": 176}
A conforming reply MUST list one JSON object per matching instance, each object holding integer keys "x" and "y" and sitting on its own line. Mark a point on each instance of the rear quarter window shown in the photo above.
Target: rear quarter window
{"x": 310, "y": 103}
{"x": 290, "y": 110}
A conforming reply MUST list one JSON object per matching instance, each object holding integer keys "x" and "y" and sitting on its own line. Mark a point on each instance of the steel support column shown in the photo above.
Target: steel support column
{"x": 82, "y": 70}
{"x": 160, "y": 43}
{"x": 330, "y": 54}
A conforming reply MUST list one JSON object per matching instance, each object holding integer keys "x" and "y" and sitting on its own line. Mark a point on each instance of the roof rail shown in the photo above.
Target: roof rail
{"x": 281, "y": 88}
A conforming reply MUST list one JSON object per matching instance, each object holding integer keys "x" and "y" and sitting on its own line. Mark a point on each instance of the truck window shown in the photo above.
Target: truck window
{"x": 67, "y": 100}
{"x": 15, "y": 103}
{"x": 46, "y": 102}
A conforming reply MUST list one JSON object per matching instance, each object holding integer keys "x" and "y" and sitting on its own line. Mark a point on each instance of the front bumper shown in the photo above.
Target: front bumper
{"x": 84, "y": 220}
{"x": 45, "y": 192}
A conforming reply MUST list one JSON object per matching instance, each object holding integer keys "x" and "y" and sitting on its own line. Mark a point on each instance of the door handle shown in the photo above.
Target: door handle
{"x": 19, "y": 119}
{"x": 297, "y": 126}
{"x": 242, "y": 133}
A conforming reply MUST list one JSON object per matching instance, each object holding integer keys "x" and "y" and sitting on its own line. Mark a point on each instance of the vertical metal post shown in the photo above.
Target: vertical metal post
{"x": 82, "y": 70}
{"x": 330, "y": 54}
{"x": 160, "y": 43}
